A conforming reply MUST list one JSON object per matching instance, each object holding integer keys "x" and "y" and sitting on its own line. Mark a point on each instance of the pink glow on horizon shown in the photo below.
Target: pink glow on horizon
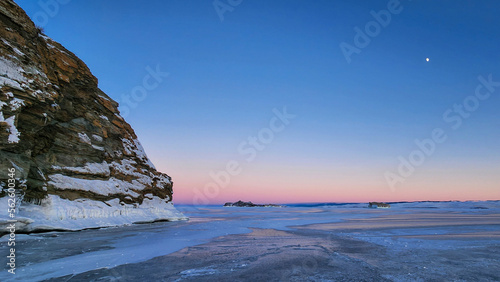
{"x": 323, "y": 186}
{"x": 265, "y": 181}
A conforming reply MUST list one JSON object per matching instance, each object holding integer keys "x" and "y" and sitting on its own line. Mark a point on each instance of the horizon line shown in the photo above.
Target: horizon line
{"x": 390, "y": 202}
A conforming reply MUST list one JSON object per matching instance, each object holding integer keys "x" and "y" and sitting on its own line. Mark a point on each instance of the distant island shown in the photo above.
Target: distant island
{"x": 249, "y": 204}
{"x": 378, "y": 205}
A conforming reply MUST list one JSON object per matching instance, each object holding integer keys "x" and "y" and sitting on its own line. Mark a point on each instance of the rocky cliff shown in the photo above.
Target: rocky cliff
{"x": 77, "y": 163}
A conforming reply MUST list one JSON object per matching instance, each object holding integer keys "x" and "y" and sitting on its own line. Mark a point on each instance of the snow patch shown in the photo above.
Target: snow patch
{"x": 4, "y": 81}
{"x": 97, "y": 138}
{"x": 19, "y": 53}
{"x": 45, "y": 37}
{"x": 84, "y": 138}
{"x": 105, "y": 98}
{"x": 134, "y": 147}
{"x": 16, "y": 103}
{"x": 112, "y": 186}
{"x": 13, "y": 133}
{"x": 98, "y": 148}
{"x": 10, "y": 70}
{"x": 127, "y": 167}
{"x": 101, "y": 169}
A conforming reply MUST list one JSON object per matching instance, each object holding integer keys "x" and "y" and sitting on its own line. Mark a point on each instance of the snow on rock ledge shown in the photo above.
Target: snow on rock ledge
{"x": 55, "y": 213}
{"x": 78, "y": 163}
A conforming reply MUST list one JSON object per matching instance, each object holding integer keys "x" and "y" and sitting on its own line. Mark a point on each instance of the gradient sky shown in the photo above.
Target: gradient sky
{"x": 353, "y": 120}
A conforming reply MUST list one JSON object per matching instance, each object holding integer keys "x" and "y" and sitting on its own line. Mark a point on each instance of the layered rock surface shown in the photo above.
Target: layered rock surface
{"x": 78, "y": 163}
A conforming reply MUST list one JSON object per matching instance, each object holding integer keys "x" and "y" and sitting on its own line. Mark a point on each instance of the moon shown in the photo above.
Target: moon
{"x": 427, "y": 59}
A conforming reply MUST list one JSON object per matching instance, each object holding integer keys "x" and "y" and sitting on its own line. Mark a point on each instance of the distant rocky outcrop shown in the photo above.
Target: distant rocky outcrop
{"x": 378, "y": 205}
{"x": 249, "y": 204}
{"x": 78, "y": 163}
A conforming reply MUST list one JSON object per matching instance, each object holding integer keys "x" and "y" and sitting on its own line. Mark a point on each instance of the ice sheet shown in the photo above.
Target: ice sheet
{"x": 56, "y": 254}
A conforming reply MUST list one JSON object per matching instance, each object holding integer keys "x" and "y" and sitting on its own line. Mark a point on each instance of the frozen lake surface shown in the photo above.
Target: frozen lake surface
{"x": 410, "y": 241}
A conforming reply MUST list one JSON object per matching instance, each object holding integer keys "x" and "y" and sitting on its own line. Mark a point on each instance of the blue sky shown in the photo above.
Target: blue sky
{"x": 353, "y": 119}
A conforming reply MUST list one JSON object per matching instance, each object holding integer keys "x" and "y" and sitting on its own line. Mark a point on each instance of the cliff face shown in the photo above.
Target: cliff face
{"x": 77, "y": 161}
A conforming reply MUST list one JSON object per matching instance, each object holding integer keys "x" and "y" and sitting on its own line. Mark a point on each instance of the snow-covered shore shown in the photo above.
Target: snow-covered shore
{"x": 55, "y": 213}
